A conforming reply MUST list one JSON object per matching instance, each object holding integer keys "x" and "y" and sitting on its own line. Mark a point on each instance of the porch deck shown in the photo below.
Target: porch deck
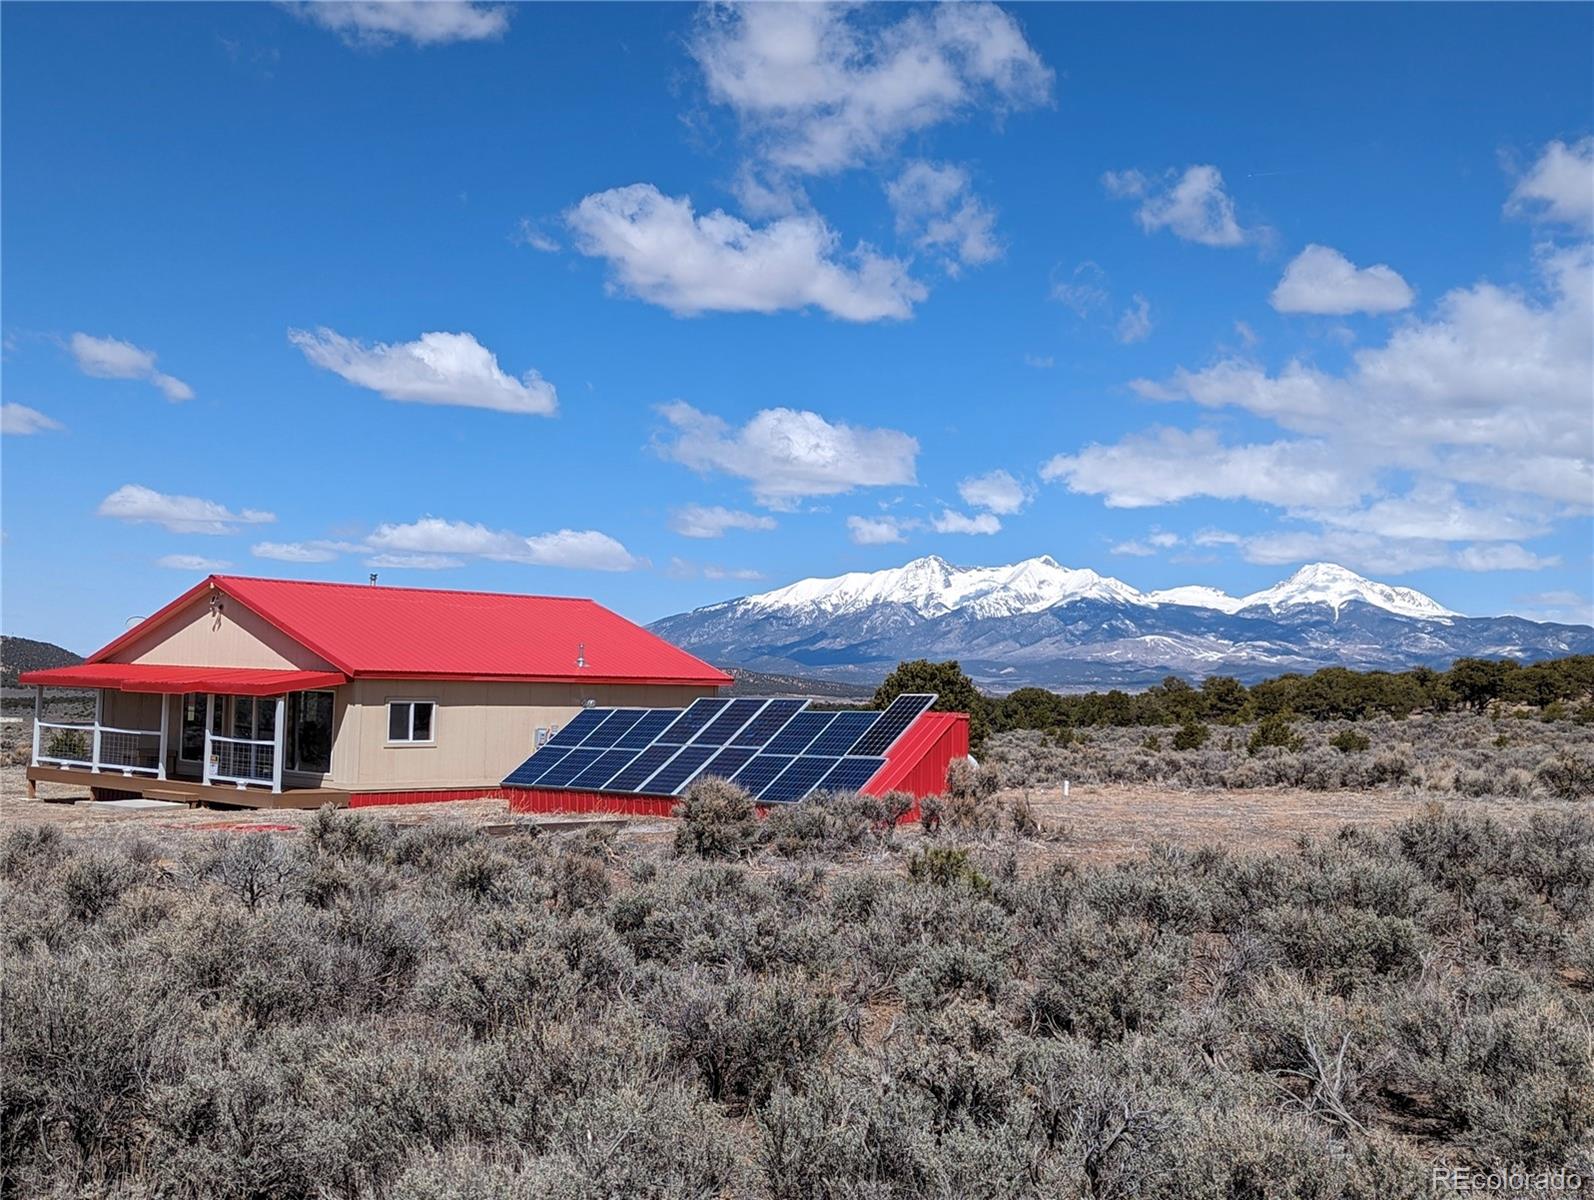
{"x": 189, "y": 791}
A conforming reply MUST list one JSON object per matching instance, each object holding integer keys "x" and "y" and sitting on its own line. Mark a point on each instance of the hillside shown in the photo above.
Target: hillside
{"x": 18, "y": 654}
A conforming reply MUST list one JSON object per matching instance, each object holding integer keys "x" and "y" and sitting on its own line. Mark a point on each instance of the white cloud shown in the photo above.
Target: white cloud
{"x": 437, "y": 368}
{"x": 1322, "y": 280}
{"x": 876, "y": 531}
{"x": 821, "y": 87}
{"x": 191, "y": 562}
{"x": 298, "y": 552}
{"x": 1390, "y": 556}
{"x": 1504, "y": 557}
{"x": 529, "y": 233}
{"x": 579, "y": 549}
{"x": 745, "y": 573}
{"x": 1041, "y": 362}
{"x": 1492, "y": 390}
{"x": 180, "y": 514}
{"x": 1162, "y": 539}
{"x": 1132, "y": 548}
{"x": 1193, "y": 206}
{"x": 786, "y": 454}
{"x": 1165, "y": 466}
{"x": 950, "y": 521}
{"x": 994, "y": 491}
{"x": 659, "y": 250}
{"x": 1559, "y": 187}
{"x": 18, "y": 420}
{"x": 424, "y": 22}
{"x": 711, "y": 521}
{"x": 936, "y": 208}
{"x": 1563, "y": 606}
{"x": 1248, "y": 336}
{"x": 1135, "y": 323}
{"x": 1084, "y": 290}
{"x": 414, "y": 562}
{"x": 112, "y": 358}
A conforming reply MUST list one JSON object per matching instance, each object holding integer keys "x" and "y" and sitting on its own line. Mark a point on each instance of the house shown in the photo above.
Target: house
{"x": 272, "y": 693}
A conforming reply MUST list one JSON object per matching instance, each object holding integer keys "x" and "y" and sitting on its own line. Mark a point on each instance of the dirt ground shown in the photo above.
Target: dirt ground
{"x": 1094, "y": 823}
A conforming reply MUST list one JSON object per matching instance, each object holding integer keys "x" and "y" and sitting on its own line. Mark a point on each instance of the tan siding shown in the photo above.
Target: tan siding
{"x": 232, "y": 636}
{"x": 482, "y": 730}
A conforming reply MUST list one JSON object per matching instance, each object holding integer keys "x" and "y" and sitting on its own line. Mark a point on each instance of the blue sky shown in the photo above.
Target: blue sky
{"x": 663, "y": 305}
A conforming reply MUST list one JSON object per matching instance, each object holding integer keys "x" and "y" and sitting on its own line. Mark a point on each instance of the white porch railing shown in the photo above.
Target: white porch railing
{"x": 106, "y": 749}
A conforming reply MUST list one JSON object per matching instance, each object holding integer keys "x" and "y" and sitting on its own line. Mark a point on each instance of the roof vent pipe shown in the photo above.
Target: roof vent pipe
{"x": 581, "y": 656}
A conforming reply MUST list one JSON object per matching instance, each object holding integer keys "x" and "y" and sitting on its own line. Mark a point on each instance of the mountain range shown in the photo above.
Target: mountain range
{"x": 1037, "y": 622}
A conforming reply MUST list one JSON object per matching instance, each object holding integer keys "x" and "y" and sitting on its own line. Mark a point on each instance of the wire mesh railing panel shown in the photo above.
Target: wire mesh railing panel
{"x": 249, "y": 760}
{"x": 130, "y": 750}
{"x": 59, "y": 743}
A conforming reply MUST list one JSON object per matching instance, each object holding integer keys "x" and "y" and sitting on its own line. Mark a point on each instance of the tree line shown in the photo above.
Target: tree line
{"x": 1333, "y": 693}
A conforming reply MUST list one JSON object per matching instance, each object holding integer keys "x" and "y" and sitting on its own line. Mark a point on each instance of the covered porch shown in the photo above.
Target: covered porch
{"x": 228, "y": 735}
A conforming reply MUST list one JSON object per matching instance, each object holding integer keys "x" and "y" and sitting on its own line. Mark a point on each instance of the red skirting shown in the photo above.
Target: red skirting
{"x": 434, "y": 796}
{"x": 557, "y": 800}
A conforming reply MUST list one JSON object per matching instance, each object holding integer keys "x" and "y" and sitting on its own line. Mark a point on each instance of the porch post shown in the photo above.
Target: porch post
{"x": 210, "y": 722}
{"x": 160, "y": 763}
{"x": 99, "y": 709}
{"x": 276, "y": 743}
{"x": 38, "y": 715}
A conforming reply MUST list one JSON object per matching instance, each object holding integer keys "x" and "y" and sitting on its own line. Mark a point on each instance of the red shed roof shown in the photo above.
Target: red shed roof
{"x": 396, "y": 632}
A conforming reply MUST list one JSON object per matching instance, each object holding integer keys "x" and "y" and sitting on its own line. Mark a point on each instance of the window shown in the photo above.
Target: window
{"x": 409, "y": 720}
{"x": 308, "y": 741}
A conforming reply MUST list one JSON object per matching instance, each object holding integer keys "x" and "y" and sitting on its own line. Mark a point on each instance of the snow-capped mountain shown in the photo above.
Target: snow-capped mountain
{"x": 1037, "y": 621}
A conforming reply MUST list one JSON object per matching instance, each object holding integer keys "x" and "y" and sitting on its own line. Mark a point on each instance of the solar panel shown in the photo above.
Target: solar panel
{"x": 727, "y": 762}
{"x": 612, "y": 730}
{"x": 678, "y": 770}
{"x": 841, "y": 733}
{"x": 645, "y": 763}
{"x": 649, "y": 727}
{"x": 799, "y": 732}
{"x": 583, "y": 723}
{"x": 851, "y": 773}
{"x": 899, "y": 714}
{"x": 568, "y": 767}
{"x": 693, "y": 719}
{"x": 762, "y": 728}
{"x": 725, "y": 726}
{"x": 756, "y": 775}
{"x": 606, "y": 768}
{"x": 778, "y": 750}
{"x": 526, "y": 773}
{"x": 797, "y": 780}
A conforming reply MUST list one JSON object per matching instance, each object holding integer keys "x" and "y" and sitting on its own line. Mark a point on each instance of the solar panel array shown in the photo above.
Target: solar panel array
{"x": 777, "y": 750}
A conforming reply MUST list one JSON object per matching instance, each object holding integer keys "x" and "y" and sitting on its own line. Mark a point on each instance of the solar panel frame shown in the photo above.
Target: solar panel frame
{"x": 797, "y": 780}
{"x": 567, "y": 768}
{"x": 841, "y": 733}
{"x": 630, "y": 778}
{"x": 730, "y": 721}
{"x": 642, "y": 735}
{"x": 893, "y": 723}
{"x": 577, "y": 728}
{"x": 793, "y": 739}
{"x": 614, "y": 728}
{"x": 692, "y": 719}
{"x": 685, "y": 763}
{"x": 761, "y": 771}
{"x": 607, "y": 765}
{"x": 527, "y": 773}
{"x": 851, "y": 773}
{"x": 769, "y": 722}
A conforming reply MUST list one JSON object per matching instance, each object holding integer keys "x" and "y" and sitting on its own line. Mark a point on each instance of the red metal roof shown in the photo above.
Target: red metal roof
{"x": 394, "y": 632}
{"x": 149, "y": 677}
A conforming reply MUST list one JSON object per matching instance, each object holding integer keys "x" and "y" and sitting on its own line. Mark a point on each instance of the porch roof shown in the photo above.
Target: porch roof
{"x": 151, "y": 677}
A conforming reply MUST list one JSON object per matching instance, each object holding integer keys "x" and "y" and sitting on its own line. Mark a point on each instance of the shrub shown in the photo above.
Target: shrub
{"x": 1274, "y": 730}
{"x": 1192, "y": 735}
{"x": 1569, "y": 775}
{"x": 716, "y": 820}
{"x": 1348, "y": 741}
